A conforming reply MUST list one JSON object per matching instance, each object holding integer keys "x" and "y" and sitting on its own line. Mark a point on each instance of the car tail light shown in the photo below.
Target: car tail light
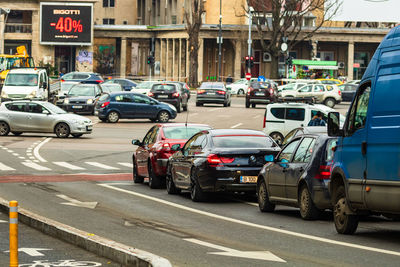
{"x": 62, "y": 80}
{"x": 249, "y": 90}
{"x": 264, "y": 121}
{"x": 324, "y": 172}
{"x": 271, "y": 91}
{"x": 200, "y": 92}
{"x": 217, "y": 161}
{"x": 105, "y": 104}
{"x": 221, "y": 92}
{"x": 176, "y": 94}
{"x": 150, "y": 94}
{"x": 99, "y": 81}
{"x": 340, "y": 92}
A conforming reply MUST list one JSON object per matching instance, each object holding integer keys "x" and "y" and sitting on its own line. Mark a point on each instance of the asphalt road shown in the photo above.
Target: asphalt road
{"x": 228, "y": 230}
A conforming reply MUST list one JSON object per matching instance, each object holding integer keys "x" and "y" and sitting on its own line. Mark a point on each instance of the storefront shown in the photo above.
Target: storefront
{"x": 303, "y": 69}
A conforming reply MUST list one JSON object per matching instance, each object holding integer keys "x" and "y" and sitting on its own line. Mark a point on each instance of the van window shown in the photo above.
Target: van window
{"x": 358, "y": 111}
{"x": 296, "y": 114}
{"x": 278, "y": 113}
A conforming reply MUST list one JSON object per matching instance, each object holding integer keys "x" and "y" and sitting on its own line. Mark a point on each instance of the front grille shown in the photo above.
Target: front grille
{"x": 17, "y": 96}
{"x": 77, "y": 102}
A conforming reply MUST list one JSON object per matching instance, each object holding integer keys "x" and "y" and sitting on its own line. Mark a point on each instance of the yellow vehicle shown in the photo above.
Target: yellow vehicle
{"x": 330, "y": 81}
{"x": 21, "y": 59}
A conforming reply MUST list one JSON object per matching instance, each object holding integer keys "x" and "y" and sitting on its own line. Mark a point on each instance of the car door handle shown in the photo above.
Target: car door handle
{"x": 301, "y": 169}
{"x": 364, "y": 148}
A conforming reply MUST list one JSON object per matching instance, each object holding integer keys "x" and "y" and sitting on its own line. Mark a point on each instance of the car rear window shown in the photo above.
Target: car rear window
{"x": 260, "y": 85}
{"x": 242, "y": 141}
{"x": 211, "y": 86}
{"x": 182, "y": 132}
{"x": 163, "y": 87}
{"x": 82, "y": 90}
{"x": 278, "y": 112}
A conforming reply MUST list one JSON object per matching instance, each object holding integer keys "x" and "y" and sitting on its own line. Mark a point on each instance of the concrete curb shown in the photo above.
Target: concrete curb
{"x": 122, "y": 254}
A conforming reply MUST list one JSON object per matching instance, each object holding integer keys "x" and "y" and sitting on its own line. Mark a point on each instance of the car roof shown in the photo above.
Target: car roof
{"x": 235, "y": 132}
{"x": 26, "y": 70}
{"x": 171, "y": 125}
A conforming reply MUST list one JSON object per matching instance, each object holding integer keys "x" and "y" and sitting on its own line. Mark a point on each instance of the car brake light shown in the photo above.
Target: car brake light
{"x": 340, "y": 92}
{"x": 264, "y": 121}
{"x": 150, "y": 94}
{"x": 324, "y": 172}
{"x": 200, "y": 92}
{"x": 62, "y": 80}
{"x": 271, "y": 91}
{"x": 221, "y": 92}
{"x": 249, "y": 90}
{"x": 176, "y": 94}
{"x": 105, "y": 104}
{"x": 99, "y": 81}
{"x": 216, "y": 161}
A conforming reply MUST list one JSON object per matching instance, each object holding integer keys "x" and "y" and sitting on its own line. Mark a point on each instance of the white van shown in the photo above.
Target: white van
{"x": 26, "y": 83}
{"x": 281, "y": 118}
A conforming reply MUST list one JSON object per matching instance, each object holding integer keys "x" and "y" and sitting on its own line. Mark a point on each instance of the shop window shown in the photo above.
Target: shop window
{"x": 108, "y": 3}
{"x": 326, "y": 55}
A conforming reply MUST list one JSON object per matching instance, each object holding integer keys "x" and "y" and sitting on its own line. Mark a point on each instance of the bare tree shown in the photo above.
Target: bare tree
{"x": 296, "y": 20}
{"x": 193, "y": 16}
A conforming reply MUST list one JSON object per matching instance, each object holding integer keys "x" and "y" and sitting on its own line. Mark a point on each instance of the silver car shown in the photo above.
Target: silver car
{"x": 41, "y": 117}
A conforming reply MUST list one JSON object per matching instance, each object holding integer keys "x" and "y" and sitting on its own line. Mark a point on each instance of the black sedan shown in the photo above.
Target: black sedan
{"x": 299, "y": 176}
{"x": 225, "y": 160}
{"x": 213, "y": 92}
{"x": 348, "y": 91}
{"x": 171, "y": 93}
{"x": 261, "y": 93}
{"x": 81, "y": 98}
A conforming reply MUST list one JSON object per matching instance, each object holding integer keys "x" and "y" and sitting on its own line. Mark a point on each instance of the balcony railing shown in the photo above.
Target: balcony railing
{"x": 18, "y": 28}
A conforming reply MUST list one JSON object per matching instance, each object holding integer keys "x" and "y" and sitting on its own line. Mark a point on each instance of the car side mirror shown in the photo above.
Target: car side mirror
{"x": 284, "y": 163}
{"x": 176, "y": 147}
{"x": 136, "y": 142}
{"x": 45, "y": 112}
{"x": 152, "y": 103}
{"x": 334, "y": 124}
{"x": 269, "y": 158}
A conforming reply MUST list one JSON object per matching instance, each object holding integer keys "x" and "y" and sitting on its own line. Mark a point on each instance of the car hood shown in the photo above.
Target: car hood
{"x": 19, "y": 89}
{"x": 79, "y": 98}
{"x": 73, "y": 117}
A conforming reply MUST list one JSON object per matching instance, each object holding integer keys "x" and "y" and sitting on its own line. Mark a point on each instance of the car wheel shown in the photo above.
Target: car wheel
{"x": 4, "y": 128}
{"x": 163, "y": 116}
{"x": 247, "y": 104}
{"x": 77, "y": 135}
{"x": 330, "y": 102}
{"x": 241, "y": 92}
{"x": 253, "y": 105}
{"x": 62, "y": 130}
{"x": 196, "y": 194}
{"x": 113, "y": 117}
{"x": 278, "y": 137}
{"x": 154, "y": 180}
{"x": 344, "y": 223}
{"x": 17, "y": 133}
{"x": 136, "y": 178}
{"x": 178, "y": 107}
{"x": 225, "y": 104}
{"x": 171, "y": 188}
{"x": 198, "y": 104}
{"x": 263, "y": 200}
{"x": 308, "y": 211}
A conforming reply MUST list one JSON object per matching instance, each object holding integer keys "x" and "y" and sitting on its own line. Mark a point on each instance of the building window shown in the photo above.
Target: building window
{"x": 325, "y": 55}
{"x": 108, "y": 21}
{"x": 108, "y": 3}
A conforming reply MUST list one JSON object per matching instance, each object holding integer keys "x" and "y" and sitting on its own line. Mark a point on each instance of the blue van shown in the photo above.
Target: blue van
{"x": 365, "y": 177}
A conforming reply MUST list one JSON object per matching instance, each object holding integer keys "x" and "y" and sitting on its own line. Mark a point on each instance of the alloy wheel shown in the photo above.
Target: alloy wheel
{"x": 4, "y": 128}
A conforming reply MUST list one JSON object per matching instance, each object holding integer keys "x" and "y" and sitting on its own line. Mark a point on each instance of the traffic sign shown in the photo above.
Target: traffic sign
{"x": 248, "y": 76}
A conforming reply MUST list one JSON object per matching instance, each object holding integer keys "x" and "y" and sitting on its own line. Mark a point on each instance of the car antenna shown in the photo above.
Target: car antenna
{"x": 187, "y": 116}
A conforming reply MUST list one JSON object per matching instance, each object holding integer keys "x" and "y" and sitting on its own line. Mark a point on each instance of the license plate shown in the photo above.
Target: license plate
{"x": 77, "y": 107}
{"x": 248, "y": 179}
{"x": 162, "y": 96}
{"x": 210, "y": 93}
{"x": 89, "y": 128}
{"x": 259, "y": 93}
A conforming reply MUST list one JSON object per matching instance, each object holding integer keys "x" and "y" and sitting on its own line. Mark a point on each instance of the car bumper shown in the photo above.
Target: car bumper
{"x": 210, "y": 100}
{"x": 79, "y": 108}
{"x": 321, "y": 197}
{"x": 173, "y": 102}
{"x": 259, "y": 100}
{"x": 81, "y": 129}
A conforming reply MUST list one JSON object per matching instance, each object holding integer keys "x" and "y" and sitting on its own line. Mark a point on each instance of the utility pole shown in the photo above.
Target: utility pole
{"x": 3, "y": 18}
{"x": 249, "y": 41}
{"x": 220, "y": 41}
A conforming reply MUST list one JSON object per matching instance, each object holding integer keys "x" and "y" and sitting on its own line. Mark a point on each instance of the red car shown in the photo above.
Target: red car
{"x": 151, "y": 157}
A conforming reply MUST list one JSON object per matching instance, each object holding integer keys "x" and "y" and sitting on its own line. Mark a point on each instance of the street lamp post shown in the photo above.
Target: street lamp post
{"x": 220, "y": 41}
{"x": 249, "y": 41}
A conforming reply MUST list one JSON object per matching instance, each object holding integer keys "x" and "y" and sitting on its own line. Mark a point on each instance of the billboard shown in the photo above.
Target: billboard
{"x": 367, "y": 11}
{"x": 66, "y": 23}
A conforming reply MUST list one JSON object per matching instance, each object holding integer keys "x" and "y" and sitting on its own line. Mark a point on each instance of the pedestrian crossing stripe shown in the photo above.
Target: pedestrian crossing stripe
{"x": 126, "y": 164}
{"x": 102, "y": 166}
{"x": 5, "y": 167}
{"x": 33, "y": 165}
{"x": 36, "y": 166}
{"x": 68, "y": 165}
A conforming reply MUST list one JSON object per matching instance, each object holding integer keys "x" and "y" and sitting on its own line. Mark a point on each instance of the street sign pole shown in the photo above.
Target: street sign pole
{"x": 249, "y": 40}
{"x": 220, "y": 42}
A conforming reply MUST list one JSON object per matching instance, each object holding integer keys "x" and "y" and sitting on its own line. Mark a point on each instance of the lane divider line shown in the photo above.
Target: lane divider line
{"x": 254, "y": 225}
{"x": 37, "y": 148}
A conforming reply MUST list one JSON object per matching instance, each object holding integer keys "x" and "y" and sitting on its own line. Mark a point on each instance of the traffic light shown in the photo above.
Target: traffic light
{"x": 251, "y": 62}
{"x": 289, "y": 61}
{"x": 150, "y": 60}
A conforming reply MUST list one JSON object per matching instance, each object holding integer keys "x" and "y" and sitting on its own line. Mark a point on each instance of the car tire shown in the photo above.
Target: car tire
{"x": 4, "y": 128}
{"x": 136, "y": 178}
{"x": 62, "y": 130}
{"x": 225, "y": 104}
{"x": 240, "y": 92}
{"x": 196, "y": 194}
{"x": 253, "y": 105}
{"x": 178, "y": 107}
{"x": 171, "y": 188}
{"x": 247, "y": 104}
{"x": 76, "y": 135}
{"x": 154, "y": 180}
{"x": 16, "y": 133}
{"x": 113, "y": 117}
{"x": 263, "y": 199}
{"x": 198, "y": 104}
{"x": 278, "y": 137}
{"x": 163, "y": 116}
{"x": 308, "y": 211}
{"x": 344, "y": 223}
{"x": 330, "y": 102}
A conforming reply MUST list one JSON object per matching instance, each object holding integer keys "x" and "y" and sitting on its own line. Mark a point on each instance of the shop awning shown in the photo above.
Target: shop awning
{"x": 322, "y": 67}
{"x": 307, "y": 62}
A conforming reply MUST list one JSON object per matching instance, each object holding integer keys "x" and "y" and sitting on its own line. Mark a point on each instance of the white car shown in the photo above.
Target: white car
{"x": 240, "y": 86}
{"x": 144, "y": 87}
{"x": 281, "y": 118}
{"x": 291, "y": 86}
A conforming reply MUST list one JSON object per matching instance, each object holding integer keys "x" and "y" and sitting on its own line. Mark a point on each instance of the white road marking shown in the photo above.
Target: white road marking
{"x": 3, "y": 147}
{"x": 254, "y": 225}
{"x": 1, "y": 221}
{"x": 36, "y": 166}
{"x": 68, "y": 165}
{"x": 37, "y": 148}
{"x": 102, "y": 166}
{"x": 15, "y": 154}
{"x": 10, "y": 151}
{"x": 5, "y": 167}
{"x": 126, "y": 164}
{"x": 257, "y": 255}
{"x": 237, "y": 125}
{"x": 214, "y": 109}
{"x": 29, "y": 154}
{"x": 21, "y": 157}
{"x": 77, "y": 203}
{"x": 33, "y": 252}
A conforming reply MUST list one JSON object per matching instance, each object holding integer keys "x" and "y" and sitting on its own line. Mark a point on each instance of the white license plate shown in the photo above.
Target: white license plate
{"x": 260, "y": 93}
{"x": 162, "y": 96}
{"x": 77, "y": 107}
{"x": 210, "y": 93}
{"x": 248, "y": 179}
{"x": 89, "y": 128}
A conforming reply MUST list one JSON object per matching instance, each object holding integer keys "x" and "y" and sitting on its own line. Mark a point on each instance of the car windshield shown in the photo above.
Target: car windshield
{"x": 53, "y": 108}
{"x": 182, "y": 132}
{"x": 212, "y": 86}
{"x": 18, "y": 79}
{"x": 82, "y": 90}
{"x": 144, "y": 85}
{"x": 241, "y": 82}
{"x": 243, "y": 141}
{"x": 163, "y": 87}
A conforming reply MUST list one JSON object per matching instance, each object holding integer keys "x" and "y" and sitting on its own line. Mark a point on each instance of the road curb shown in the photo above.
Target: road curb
{"x": 120, "y": 253}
